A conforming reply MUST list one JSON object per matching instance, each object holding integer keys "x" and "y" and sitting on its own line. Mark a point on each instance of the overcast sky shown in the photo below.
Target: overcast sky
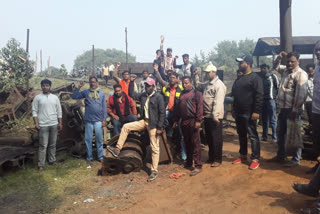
{"x": 64, "y": 29}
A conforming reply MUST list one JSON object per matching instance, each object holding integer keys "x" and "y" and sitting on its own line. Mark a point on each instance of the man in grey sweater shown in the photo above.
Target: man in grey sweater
{"x": 47, "y": 117}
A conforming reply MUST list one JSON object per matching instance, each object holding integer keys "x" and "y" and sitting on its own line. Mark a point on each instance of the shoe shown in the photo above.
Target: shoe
{"x": 239, "y": 160}
{"x": 215, "y": 164}
{"x": 189, "y": 167}
{"x": 153, "y": 175}
{"x": 114, "y": 151}
{"x": 292, "y": 164}
{"x": 309, "y": 211}
{"x": 209, "y": 161}
{"x": 53, "y": 163}
{"x": 276, "y": 159}
{"x": 88, "y": 162}
{"x": 41, "y": 169}
{"x": 274, "y": 141}
{"x": 183, "y": 156}
{"x": 305, "y": 190}
{"x": 100, "y": 160}
{"x": 254, "y": 165}
{"x": 263, "y": 139}
{"x": 195, "y": 172}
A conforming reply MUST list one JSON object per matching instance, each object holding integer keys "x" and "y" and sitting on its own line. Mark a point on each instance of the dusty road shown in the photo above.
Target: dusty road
{"x": 227, "y": 189}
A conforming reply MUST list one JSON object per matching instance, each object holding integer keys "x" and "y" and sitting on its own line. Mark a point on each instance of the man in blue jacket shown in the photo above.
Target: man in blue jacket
{"x": 95, "y": 115}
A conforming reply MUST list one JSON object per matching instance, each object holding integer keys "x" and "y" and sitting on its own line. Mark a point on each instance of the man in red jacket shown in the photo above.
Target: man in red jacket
{"x": 121, "y": 108}
{"x": 190, "y": 110}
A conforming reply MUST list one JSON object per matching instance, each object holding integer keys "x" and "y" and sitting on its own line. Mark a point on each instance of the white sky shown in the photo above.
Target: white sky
{"x": 65, "y": 29}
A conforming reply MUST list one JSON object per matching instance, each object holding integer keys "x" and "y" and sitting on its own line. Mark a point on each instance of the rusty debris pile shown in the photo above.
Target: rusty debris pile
{"x": 15, "y": 151}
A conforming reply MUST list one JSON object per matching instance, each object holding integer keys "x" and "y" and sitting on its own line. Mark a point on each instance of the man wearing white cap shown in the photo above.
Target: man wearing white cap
{"x": 214, "y": 92}
{"x": 152, "y": 113}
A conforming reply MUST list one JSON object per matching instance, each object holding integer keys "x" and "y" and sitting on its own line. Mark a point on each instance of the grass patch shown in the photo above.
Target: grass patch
{"x": 33, "y": 192}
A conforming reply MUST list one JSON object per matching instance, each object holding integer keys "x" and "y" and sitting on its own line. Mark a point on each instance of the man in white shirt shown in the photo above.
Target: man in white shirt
{"x": 47, "y": 117}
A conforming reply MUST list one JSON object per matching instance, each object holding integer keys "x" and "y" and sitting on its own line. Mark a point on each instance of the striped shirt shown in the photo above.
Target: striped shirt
{"x": 316, "y": 90}
{"x": 293, "y": 88}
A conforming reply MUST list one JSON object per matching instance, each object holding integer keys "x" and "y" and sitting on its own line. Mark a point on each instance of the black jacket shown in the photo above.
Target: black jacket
{"x": 157, "y": 110}
{"x": 247, "y": 91}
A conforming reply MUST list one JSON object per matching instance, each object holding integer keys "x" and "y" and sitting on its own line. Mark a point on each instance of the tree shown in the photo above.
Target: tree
{"x": 224, "y": 53}
{"x": 101, "y": 57}
{"x": 13, "y": 67}
{"x": 55, "y": 72}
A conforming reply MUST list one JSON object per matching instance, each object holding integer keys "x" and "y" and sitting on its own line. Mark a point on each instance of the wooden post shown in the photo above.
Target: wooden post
{"x": 285, "y": 26}
{"x": 28, "y": 72}
{"x": 126, "y": 47}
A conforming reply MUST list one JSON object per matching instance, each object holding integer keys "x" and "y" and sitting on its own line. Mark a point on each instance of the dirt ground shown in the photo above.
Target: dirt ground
{"x": 227, "y": 189}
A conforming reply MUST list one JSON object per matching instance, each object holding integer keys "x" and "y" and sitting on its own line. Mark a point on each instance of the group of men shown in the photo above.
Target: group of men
{"x": 184, "y": 104}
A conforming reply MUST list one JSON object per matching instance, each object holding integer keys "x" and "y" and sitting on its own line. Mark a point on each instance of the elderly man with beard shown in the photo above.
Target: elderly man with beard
{"x": 95, "y": 115}
{"x": 121, "y": 108}
{"x": 190, "y": 110}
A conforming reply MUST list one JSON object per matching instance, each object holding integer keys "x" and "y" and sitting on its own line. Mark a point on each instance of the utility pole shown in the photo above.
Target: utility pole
{"x": 285, "y": 26}
{"x": 36, "y": 64}
{"x": 40, "y": 62}
{"x": 49, "y": 71}
{"x": 28, "y": 72}
{"x": 126, "y": 47}
{"x": 93, "y": 71}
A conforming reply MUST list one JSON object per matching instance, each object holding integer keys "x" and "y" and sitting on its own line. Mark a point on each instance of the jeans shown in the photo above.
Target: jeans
{"x": 117, "y": 125}
{"x": 269, "y": 116}
{"x": 246, "y": 126}
{"x": 168, "y": 123}
{"x": 214, "y": 139}
{"x": 97, "y": 128}
{"x": 282, "y": 135}
{"x": 47, "y": 140}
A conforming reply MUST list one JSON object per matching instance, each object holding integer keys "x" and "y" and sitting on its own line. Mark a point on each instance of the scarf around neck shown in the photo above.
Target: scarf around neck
{"x": 94, "y": 93}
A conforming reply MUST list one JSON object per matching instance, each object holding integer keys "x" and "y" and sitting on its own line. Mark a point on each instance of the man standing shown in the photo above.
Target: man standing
{"x": 95, "y": 115}
{"x": 152, "y": 119}
{"x": 121, "y": 108}
{"x": 190, "y": 110}
{"x": 247, "y": 91}
{"x": 145, "y": 76}
{"x": 105, "y": 73}
{"x": 292, "y": 95}
{"x": 111, "y": 69}
{"x": 310, "y": 72}
{"x": 316, "y": 103}
{"x": 171, "y": 92}
{"x": 126, "y": 83}
{"x": 47, "y": 117}
{"x": 168, "y": 59}
{"x": 270, "y": 89}
{"x": 186, "y": 68}
{"x": 214, "y": 92}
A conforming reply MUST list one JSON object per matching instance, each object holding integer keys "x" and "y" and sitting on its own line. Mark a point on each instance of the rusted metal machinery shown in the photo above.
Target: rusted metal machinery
{"x": 133, "y": 154}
